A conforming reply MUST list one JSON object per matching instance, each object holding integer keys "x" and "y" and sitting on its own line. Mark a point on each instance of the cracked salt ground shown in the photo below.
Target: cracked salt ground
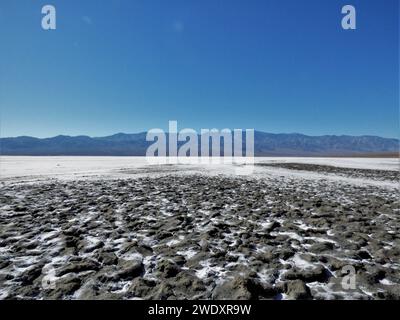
{"x": 198, "y": 236}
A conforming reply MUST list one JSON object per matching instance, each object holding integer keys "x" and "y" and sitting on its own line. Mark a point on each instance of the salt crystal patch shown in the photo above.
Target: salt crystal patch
{"x": 188, "y": 254}
{"x": 386, "y": 282}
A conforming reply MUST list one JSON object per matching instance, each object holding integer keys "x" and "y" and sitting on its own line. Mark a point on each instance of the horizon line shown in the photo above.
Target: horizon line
{"x": 166, "y": 132}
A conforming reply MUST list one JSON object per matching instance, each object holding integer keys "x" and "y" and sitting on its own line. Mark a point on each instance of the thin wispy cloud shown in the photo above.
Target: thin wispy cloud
{"x": 87, "y": 20}
{"x": 178, "y": 26}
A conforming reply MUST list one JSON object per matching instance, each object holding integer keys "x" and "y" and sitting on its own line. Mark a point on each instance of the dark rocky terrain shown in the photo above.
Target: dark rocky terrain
{"x": 373, "y": 174}
{"x": 198, "y": 237}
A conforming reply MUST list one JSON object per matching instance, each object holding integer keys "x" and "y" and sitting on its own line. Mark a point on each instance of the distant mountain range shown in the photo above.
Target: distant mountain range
{"x": 265, "y": 144}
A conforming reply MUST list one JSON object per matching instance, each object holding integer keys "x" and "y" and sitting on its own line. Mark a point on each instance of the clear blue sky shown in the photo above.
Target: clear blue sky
{"x": 130, "y": 65}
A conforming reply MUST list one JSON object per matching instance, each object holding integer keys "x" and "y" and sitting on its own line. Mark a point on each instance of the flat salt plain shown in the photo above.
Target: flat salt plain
{"x": 120, "y": 228}
{"x": 33, "y": 169}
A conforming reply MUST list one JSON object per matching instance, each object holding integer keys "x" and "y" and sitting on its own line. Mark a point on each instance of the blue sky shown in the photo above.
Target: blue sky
{"x": 129, "y": 66}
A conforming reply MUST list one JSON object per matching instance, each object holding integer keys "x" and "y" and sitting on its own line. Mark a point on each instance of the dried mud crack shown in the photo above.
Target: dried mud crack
{"x": 198, "y": 237}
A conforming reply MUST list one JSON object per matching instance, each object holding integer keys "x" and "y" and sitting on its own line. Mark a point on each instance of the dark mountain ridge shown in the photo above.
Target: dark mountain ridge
{"x": 265, "y": 144}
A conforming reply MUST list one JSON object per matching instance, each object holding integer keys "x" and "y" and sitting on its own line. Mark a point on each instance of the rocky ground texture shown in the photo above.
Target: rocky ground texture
{"x": 388, "y": 175}
{"x": 198, "y": 237}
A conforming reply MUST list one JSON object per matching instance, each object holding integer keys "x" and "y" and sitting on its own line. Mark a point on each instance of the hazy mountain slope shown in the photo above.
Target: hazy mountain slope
{"x": 135, "y": 145}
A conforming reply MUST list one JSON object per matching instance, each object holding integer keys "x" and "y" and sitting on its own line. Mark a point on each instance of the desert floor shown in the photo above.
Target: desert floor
{"x": 120, "y": 228}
